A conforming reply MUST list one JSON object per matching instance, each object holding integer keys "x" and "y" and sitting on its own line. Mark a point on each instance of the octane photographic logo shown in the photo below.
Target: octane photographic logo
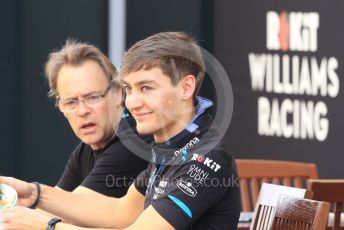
{"x": 222, "y": 116}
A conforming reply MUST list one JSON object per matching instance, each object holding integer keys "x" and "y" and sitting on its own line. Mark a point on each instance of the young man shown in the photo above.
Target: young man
{"x": 189, "y": 181}
{"x": 85, "y": 84}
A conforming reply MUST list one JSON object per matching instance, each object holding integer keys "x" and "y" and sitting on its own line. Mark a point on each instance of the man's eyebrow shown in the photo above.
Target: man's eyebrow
{"x": 83, "y": 95}
{"x": 143, "y": 82}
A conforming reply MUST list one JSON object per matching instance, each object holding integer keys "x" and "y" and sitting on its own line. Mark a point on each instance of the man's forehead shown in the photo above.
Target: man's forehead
{"x": 72, "y": 86}
{"x": 151, "y": 76}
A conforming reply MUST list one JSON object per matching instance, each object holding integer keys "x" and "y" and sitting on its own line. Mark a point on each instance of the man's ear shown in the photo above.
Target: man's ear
{"x": 187, "y": 86}
{"x": 64, "y": 114}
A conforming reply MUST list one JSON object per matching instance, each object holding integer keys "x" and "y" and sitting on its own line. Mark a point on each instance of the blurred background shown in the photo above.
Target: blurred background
{"x": 284, "y": 60}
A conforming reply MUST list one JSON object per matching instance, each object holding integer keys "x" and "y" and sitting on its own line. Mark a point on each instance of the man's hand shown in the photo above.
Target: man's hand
{"x": 23, "y": 218}
{"x": 26, "y": 192}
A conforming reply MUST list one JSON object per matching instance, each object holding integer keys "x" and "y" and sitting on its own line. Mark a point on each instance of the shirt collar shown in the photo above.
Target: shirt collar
{"x": 165, "y": 150}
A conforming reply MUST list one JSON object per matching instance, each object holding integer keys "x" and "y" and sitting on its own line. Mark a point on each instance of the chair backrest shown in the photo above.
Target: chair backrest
{"x": 331, "y": 191}
{"x": 300, "y": 214}
{"x": 252, "y": 173}
{"x": 267, "y": 202}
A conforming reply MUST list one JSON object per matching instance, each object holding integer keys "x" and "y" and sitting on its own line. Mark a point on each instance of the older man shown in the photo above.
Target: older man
{"x": 84, "y": 82}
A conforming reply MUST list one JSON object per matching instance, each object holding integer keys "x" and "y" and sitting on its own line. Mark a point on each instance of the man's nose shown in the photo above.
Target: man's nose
{"x": 133, "y": 101}
{"x": 82, "y": 108}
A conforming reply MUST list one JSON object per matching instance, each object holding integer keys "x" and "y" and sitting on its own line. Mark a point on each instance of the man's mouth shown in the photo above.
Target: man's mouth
{"x": 140, "y": 116}
{"x": 88, "y": 127}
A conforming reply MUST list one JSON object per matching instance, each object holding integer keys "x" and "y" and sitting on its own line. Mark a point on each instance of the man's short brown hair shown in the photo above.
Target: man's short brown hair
{"x": 76, "y": 53}
{"x": 175, "y": 53}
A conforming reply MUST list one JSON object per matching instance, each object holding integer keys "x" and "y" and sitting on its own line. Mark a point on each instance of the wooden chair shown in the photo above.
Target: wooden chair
{"x": 267, "y": 202}
{"x": 331, "y": 191}
{"x": 300, "y": 214}
{"x": 252, "y": 173}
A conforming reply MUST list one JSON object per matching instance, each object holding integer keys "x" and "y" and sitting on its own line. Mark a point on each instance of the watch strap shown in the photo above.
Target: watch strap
{"x": 52, "y": 223}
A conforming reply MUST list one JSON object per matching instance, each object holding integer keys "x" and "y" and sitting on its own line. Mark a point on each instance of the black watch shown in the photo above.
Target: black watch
{"x": 52, "y": 223}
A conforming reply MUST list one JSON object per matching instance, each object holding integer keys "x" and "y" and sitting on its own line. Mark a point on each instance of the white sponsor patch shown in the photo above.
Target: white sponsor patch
{"x": 187, "y": 188}
{"x": 163, "y": 184}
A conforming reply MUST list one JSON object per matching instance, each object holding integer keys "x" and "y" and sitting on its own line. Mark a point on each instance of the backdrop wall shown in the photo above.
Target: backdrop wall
{"x": 285, "y": 63}
{"x": 284, "y": 60}
{"x": 36, "y": 139}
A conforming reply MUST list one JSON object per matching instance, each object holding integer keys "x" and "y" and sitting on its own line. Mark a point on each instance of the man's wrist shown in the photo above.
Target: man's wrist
{"x": 35, "y": 195}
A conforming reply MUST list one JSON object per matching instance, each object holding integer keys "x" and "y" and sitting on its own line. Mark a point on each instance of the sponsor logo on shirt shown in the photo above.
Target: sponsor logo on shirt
{"x": 187, "y": 188}
{"x": 187, "y": 146}
{"x": 163, "y": 184}
{"x": 157, "y": 192}
{"x": 206, "y": 161}
{"x": 198, "y": 174}
{"x": 160, "y": 190}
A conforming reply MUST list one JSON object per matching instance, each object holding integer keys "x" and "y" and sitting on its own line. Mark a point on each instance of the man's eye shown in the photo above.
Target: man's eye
{"x": 146, "y": 88}
{"x": 93, "y": 98}
{"x": 70, "y": 103}
{"x": 126, "y": 89}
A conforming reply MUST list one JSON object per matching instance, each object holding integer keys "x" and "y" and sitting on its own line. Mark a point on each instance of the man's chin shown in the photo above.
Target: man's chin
{"x": 92, "y": 141}
{"x": 144, "y": 130}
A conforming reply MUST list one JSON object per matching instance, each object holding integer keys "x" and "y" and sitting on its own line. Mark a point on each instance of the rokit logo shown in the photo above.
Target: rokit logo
{"x": 294, "y": 31}
{"x": 187, "y": 188}
{"x": 187, "y": 146}
{"x": 206, "y": 161}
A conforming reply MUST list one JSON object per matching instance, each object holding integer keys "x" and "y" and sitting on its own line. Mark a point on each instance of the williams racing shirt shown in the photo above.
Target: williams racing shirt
{"x": 192, "y": 179}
